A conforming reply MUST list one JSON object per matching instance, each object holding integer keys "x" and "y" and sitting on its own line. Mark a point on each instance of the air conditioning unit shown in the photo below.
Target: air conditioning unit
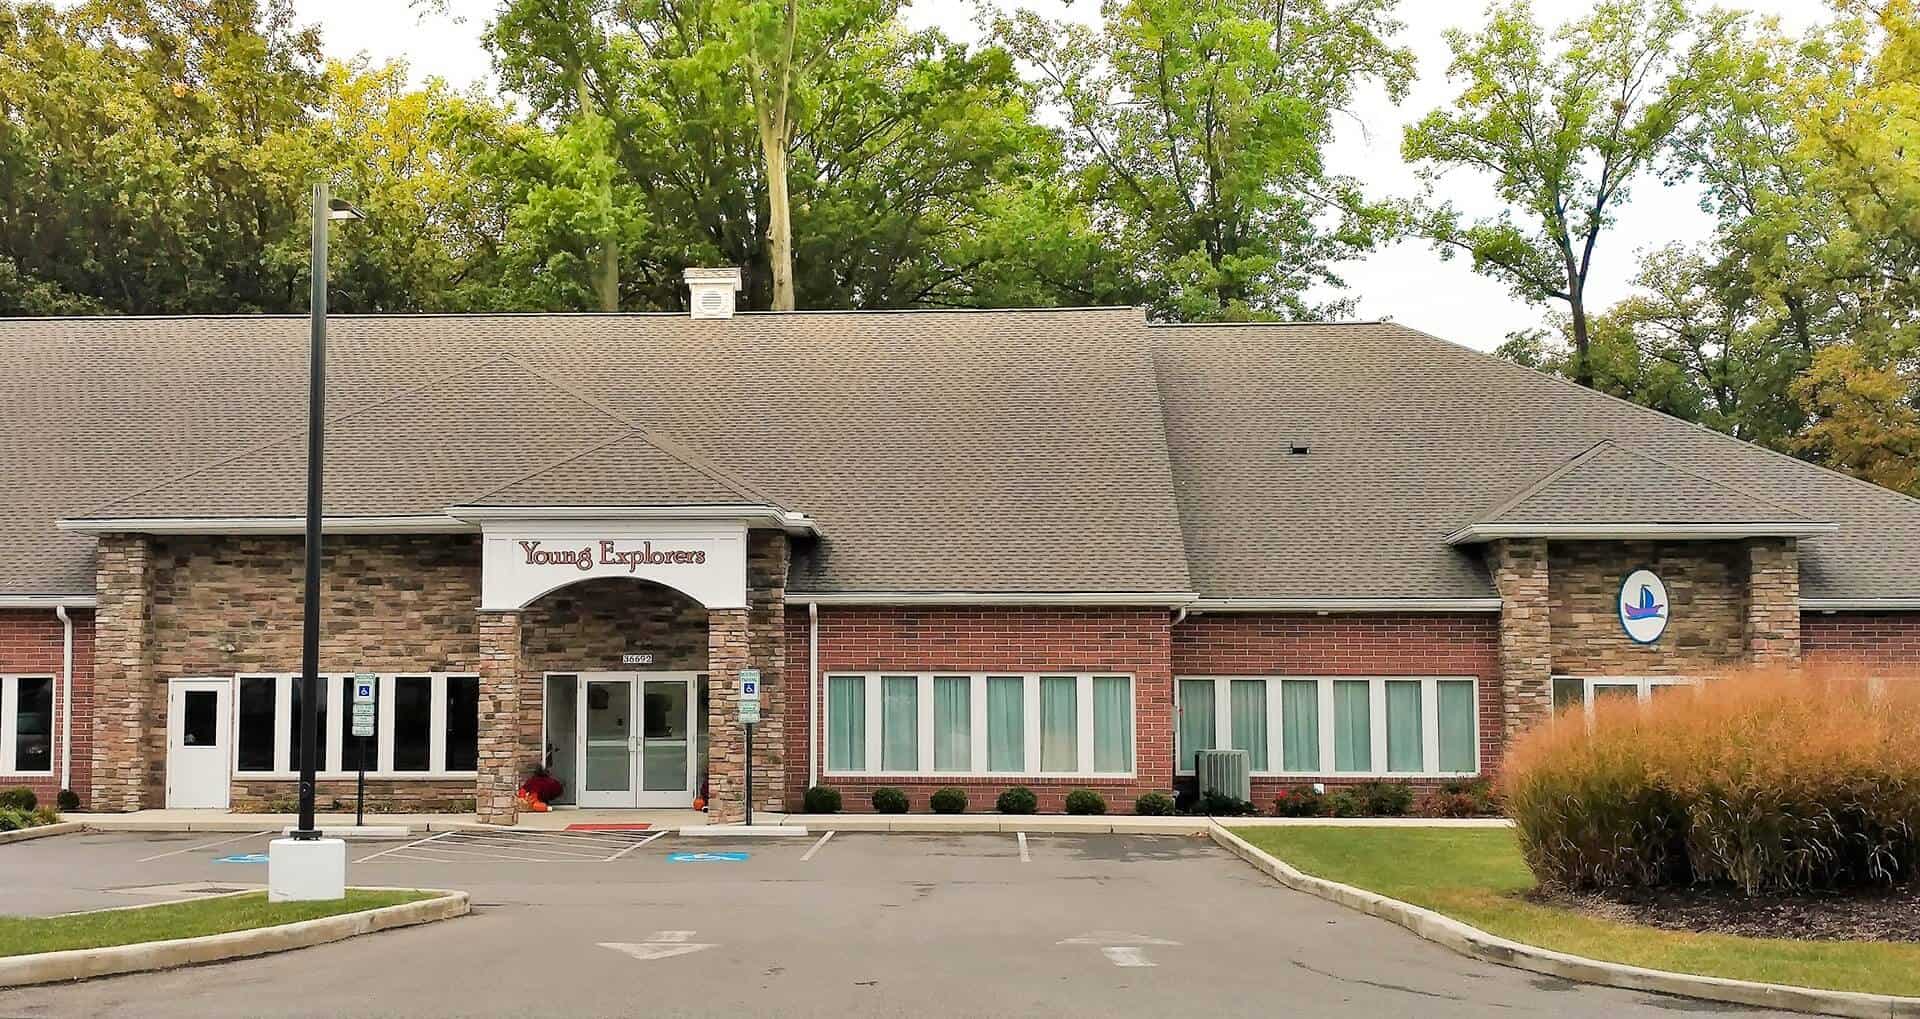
{"x": 1227, "y": 772}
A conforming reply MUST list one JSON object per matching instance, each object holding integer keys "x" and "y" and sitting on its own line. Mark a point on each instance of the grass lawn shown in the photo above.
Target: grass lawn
{"x": 25, "y": 935}
{"x": 1476, "y": 875}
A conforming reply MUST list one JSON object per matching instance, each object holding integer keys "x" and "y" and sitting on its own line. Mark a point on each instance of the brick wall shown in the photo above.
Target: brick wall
{"x": 986, "y": 639}
{"x": 1345, "y": 644}
{"x": 31, "y": 643}
{"x": 1887, "y": 641}
{"x": 1706, "y": 584}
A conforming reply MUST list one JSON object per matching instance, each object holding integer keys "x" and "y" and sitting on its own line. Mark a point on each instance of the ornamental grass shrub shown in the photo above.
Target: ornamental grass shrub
{"x": 1769, "y": 782}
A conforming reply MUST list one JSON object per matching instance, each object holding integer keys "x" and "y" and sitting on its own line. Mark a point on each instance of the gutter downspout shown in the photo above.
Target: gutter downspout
{"x": 813, "y": 694}
{"x": 66, "y": 697}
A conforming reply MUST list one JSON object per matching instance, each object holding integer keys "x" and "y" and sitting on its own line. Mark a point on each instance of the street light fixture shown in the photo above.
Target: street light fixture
{"x": 308, "y": 867}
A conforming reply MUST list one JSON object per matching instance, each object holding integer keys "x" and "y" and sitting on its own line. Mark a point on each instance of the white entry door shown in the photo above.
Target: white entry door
{"x": 199, "y": 728}
{"x": 638, "y": 737}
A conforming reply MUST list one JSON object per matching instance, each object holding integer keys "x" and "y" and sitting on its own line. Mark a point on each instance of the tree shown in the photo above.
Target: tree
{"x": 1563, "y": 131}
{"x": 1196, "y": 133}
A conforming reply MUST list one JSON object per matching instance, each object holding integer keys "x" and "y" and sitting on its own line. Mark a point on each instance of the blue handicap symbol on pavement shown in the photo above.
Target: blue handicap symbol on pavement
{"x": 706, "y": 857}
{"x": 242, "y": 858}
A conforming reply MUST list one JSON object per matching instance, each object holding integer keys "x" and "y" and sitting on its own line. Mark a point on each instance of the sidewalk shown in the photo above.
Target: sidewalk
{"x": 227, "y": 821}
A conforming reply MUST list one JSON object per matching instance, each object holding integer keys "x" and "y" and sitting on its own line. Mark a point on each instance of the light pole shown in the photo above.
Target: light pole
{"x": 307, "y": 866}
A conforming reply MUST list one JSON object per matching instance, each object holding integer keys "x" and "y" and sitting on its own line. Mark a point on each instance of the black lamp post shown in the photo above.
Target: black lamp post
{"x": 325, "y": 210}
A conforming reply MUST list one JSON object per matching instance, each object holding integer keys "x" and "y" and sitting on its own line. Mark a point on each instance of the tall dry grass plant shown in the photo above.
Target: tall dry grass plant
{"x": 1768, "y": 781}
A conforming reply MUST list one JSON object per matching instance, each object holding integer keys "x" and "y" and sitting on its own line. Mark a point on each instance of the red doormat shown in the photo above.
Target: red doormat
{"x": 608, "y": 827}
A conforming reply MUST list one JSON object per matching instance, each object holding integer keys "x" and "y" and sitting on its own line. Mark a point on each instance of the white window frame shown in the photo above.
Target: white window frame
{"x": 1642, "y": 686}
{"x": 977, "y": 724}
{"x": 1376, "y": 724}
{"x": 10, "y": 721}
{"x": 337, "y": 728}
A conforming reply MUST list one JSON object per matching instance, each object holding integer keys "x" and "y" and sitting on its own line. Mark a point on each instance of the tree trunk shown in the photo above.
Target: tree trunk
{"x": 780, "y": 215}
{"x": 606, "y": 276}
{"x": 1577, "y": 304}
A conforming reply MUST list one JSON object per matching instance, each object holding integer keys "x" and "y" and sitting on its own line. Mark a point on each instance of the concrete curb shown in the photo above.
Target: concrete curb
{"x": 85, "y": 963}
{"x": 974, "y": 824}
{"x": 1475, "y": 943}
{"x": 29, "y": 834}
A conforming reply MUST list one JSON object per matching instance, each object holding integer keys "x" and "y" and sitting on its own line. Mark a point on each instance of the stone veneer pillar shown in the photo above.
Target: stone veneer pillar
{"x": 129, "y": 729}
{"x": 1519, "y": 568}
{"x": 1773, "y": 600}
{"x": 501, "y": 754}
{"x": 738, "y": 638}
{"x": 726, "y": 737}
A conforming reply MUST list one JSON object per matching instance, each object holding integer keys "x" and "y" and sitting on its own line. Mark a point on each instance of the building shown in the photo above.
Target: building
{"x": 1056, "y": 548}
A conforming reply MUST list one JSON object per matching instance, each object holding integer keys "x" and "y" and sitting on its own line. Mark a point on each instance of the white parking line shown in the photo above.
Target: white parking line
{"x": 410, "y": 845}
{"x": 510, "y": 844}
{"x": 638, "y": 844}
{"x": 489, "y": 854}
{"x": 816, "y": 847}
{"x": 1024, "y": 857}
{"x": 210, "y": 845}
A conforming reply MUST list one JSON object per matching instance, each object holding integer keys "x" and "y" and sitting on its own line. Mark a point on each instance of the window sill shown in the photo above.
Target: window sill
{"x": 384, "y": 776}
{"x": 1363, "y": 775}
{"x": 27, "y": 774}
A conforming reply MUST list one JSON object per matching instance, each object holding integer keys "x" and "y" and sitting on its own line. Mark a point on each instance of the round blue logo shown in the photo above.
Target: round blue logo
{"x": 1643, "y": 606}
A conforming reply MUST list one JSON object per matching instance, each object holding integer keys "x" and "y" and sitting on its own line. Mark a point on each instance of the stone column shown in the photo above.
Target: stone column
{"x": 129, "y": 728}
{"x": 1773, "y": 600}
{"x": 1519, "y": 568}
{"x": 726, "y": 737}
{"x": 767, "y": 557}
{"x": 502, "y": 758}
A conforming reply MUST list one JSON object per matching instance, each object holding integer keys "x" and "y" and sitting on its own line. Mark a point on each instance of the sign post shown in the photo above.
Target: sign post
{"x": 365, "y": 705}
{"x": 749, "y": 717}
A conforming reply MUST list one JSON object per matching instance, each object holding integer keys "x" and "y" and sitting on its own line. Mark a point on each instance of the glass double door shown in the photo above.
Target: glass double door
{"x": 638, "y": 734}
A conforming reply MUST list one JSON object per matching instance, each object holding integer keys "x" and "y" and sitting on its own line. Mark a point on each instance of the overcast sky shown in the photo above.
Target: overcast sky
{"x": 1407, "y": 282}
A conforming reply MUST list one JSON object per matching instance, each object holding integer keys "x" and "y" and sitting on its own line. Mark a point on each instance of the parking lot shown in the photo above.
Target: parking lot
{"x": 631, "y": 922}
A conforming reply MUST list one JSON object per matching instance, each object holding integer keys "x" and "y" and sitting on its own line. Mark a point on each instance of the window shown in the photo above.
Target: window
{"x": 1586, "y": 691}
{"x": 200, "y": 722}
{"x": 1326, "y": 725}
{"x": 424, "y": 724}
{"x": 1036, "y": 724}
{"x": 26, "y": 725}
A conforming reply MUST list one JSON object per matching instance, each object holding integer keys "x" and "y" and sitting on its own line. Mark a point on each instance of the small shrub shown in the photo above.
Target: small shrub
{"x": 1345, "y": 803}
{"x": 821, "y": 800}
{"x": 1154, "y": 804}
{"x": 68, "y": 800}
{"x": 1214, "y": 803}
{"x": 948, "y": 801}
{"x": 14, "y": 819}
{"x": 888, "y": 800}
{"x": 1384, "y": 799}
{"x": 1458, "y": 798}
{"x": 1300, "y": 801}
{"x": 1086, "y": 801}
{"x": 18, "y": 798}
{"x": 1017, "y": 800}
{"x": 46, "y": 815}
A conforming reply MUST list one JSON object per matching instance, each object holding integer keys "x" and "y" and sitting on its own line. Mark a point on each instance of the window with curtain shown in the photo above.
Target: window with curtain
{"x": 900, "y": 723}
{"x": 1059, "y": 724}
{"x": 1405, "y": 745}
{"x": 1352, "y": 728}
{"x": 1300, "y": 725}
{"x": 1196, "y": 732}
{"x": 1459, "y": 749}
{"x": 847, "y": 723}
{"x": 953, "y": 723}
{"x": 1006, "y": 723}
{"x": 1248, "y": 713}
{"x": 1112, "y": 724}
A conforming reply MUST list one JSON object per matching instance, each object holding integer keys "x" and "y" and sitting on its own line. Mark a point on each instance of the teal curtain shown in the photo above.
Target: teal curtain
{"x": 1196, "y": 720}
{"x": 1300, "y": 725}
{"x": 1112, "y": 724}
{"x": 1249, "y": 716}
{"x": 1006, "y": 723}
{"x": 952, "y": 723}
{"x": 1458, "y": 751}
{"x": 1404, "y": 750}
{"x": 847, "y": 723}
{"x": 900, "y": 723}
{"x": 1352, "y": 733}
{"x": 1059, "y": 724}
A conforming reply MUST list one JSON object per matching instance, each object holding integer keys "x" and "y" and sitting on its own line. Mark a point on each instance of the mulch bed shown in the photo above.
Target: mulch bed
{"x": 1878, "y": 915}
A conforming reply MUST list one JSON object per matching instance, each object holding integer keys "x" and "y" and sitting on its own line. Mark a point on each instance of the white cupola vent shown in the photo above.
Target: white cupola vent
{"x": 710, "y": 291}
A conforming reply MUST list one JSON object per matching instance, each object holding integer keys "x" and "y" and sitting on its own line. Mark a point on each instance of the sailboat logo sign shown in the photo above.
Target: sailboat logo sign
{"x": 1643, "y": 606}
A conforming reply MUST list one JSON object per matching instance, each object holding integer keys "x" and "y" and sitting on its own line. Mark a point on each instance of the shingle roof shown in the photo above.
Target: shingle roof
{"x": 1411, "y": 438}
{"x": 1612, "y": 484}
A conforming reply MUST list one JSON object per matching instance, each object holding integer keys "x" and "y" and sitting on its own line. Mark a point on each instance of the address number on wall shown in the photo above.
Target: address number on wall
{"x": 643, "y": 658}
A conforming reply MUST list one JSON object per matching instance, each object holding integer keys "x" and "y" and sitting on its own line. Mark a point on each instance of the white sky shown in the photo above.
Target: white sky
{"x": 1407, "y": 282}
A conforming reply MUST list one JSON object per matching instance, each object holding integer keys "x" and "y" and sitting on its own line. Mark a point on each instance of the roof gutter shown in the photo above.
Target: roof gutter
{"x": 1170, "y": 599}
{"x": 1860, "y": 604}
{"x": 1473, "y": 533}
{"x": 752, "y": 514}
{"x": 47, "y": 601}
{"x": 423, "y": 523}
{"x": 1347, "y": 605}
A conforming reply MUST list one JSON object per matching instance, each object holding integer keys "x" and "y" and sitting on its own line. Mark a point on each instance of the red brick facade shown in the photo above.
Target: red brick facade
{"x": 1348, "y": 644}
{"x": 1132, "y": 641}
{"x": 31, "y": 644}
{"x": 1887, "y": 640}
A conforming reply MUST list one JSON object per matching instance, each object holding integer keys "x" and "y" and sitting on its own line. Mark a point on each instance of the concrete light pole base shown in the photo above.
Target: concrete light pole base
{"x": 306, "y": 870}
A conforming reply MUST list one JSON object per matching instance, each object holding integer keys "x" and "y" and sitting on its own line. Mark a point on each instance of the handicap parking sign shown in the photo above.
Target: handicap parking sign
{"x": 242, "y": 858}
{"x": 706, "y": 857}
